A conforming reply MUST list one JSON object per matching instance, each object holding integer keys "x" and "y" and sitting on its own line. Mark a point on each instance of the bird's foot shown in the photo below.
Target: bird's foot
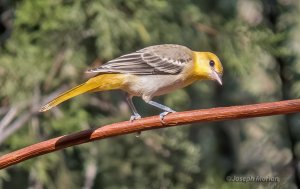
{"x": 163, "y": 115}
{"x": 135, "y": 117}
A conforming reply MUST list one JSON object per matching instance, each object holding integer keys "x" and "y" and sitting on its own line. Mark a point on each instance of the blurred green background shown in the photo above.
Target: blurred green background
{"x": 46, "y": 45}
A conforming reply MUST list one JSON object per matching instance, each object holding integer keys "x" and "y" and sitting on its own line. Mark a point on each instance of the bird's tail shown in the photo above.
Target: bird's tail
{"x": 98, "y": 83}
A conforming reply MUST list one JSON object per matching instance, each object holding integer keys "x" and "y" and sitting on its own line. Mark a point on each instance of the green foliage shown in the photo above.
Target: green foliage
{"x": 53, "y": 41}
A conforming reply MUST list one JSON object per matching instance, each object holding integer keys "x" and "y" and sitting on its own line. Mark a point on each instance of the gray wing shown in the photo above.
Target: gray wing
{"x": 159, "y": 59}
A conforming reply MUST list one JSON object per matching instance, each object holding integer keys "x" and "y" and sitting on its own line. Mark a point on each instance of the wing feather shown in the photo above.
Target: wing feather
{"x": 159, "y": 59}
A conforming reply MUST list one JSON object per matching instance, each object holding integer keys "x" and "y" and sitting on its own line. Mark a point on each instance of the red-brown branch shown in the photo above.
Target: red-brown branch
{"x": 148, "y": 123}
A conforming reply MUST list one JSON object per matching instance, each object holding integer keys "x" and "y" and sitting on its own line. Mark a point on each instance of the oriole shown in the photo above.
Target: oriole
{"x": 149, "y": 72}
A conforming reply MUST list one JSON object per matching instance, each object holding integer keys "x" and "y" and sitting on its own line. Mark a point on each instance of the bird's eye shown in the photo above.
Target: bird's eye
{"x": 212, "y": 63}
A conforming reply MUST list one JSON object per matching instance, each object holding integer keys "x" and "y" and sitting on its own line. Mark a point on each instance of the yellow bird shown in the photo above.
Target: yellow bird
{"x": 149, "y": 72}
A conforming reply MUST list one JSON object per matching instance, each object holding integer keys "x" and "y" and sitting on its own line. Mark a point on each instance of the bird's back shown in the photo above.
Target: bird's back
{"x": 171, "y": 51}
{"x": 154, "y": 60}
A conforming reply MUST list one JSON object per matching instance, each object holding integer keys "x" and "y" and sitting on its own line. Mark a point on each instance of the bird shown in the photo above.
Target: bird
{"x": 149, "y": 72}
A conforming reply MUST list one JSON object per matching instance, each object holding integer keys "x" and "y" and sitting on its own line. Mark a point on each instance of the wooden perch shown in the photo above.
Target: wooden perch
{"x": 148, "y": 123}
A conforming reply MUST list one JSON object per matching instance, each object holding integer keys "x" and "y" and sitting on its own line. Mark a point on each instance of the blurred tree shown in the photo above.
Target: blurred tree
{"x": 46, "y": 46}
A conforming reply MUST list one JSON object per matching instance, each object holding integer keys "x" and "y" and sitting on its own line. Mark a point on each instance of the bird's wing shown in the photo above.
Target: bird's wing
{"x": 159, "y": 59}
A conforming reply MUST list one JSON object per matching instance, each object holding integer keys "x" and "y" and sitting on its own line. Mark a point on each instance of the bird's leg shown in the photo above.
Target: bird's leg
{"x": 166, "y": 109}
{"x": 135, "y": 115}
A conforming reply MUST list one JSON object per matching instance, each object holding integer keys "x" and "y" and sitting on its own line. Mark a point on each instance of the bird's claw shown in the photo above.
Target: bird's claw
{"x": 163, "y": 115}
{"x": 135, "y": 117}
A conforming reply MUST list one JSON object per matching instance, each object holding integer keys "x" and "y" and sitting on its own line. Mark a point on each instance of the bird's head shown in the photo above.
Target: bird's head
{"x": 208, "y": 66}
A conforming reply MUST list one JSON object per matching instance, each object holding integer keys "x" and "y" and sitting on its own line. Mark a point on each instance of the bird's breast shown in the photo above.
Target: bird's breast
{"x": 154, "y": 85}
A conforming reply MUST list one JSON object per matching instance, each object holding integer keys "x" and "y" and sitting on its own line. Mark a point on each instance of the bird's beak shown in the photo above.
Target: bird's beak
{"x": 217, "y": 77}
